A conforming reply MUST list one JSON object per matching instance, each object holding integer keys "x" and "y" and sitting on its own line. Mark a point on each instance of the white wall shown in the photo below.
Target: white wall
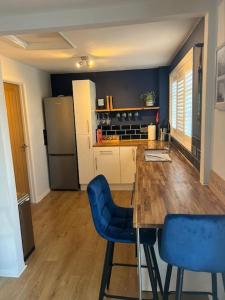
{"x": 11, "y": 254}
{"x": 218, "y": 161}
{"x": 35, "y": 85}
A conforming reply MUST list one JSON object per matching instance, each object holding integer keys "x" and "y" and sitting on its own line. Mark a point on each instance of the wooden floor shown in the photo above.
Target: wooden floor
{"x": 67, "y": 262}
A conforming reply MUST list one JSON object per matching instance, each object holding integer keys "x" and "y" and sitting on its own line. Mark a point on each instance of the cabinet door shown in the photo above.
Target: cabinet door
{"x": 107, "y": 162}
{"x": 128, "y": 164}
{"x": 84, "y": 98}
{"x": 85, "y": 159}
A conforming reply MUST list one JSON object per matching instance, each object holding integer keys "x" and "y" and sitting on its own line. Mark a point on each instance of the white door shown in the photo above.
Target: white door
{"x": 128, "y": 164}
{"x": 107, "y": 162}
{"x": 85, "y": 159}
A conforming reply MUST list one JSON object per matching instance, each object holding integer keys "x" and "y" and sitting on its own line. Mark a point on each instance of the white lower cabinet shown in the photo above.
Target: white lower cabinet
{"x": 117, "y": 164}
{"x": 127, "y": 164}
{"x": 107, "y": 163}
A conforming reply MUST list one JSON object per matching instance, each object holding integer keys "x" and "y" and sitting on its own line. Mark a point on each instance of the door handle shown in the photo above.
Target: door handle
{"x": 24, "y": 146}
{"x": 89, "y": 143}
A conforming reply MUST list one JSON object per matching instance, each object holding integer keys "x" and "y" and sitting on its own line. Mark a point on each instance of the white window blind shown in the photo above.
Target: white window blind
{"x": 181, "y": 91}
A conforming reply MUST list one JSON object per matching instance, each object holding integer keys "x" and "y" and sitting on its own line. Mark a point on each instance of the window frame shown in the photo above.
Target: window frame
{"x": 179, "y": 73}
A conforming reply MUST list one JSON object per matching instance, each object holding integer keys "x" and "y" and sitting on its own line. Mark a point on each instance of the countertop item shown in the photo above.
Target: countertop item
{"x": 118, "y": 143}
{"x": 163, "y": 188}
{"x": 152, "y": 132}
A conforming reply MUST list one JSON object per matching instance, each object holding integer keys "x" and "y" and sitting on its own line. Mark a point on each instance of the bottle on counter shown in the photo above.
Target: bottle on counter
{"x": 99, "y": 136}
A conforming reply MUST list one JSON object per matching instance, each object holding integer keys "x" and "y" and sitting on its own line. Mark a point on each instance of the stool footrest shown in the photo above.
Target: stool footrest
{"x": 192, "y": 293}
{"x": 124, "y": 297}
{"x": 126, "y": 265}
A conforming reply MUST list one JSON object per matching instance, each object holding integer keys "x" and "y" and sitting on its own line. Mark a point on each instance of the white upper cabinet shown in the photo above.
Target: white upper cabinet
{"x": 128, "y": 164}
{"x": 107, "y": 163}
{"x": 84, "y": 105}
{"x": 85, "y": 121}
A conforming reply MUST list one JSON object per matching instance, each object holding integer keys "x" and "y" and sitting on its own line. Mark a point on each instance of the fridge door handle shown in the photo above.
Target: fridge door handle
{"x": 89, "y": 143}
{"x": 45, "y": 137}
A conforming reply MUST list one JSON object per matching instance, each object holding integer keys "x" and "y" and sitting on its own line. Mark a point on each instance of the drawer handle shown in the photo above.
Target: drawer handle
{"x": 106, "y": 152}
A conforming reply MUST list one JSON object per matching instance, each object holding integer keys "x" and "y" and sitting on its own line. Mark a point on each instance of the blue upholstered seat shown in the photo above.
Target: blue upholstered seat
{"x": 115, "y": 224}
{"x": 194, "y": 242}
{"x": 112, "y": 222}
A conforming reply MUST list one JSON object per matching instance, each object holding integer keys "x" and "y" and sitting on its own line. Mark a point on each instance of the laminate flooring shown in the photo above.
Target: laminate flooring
{"x": 67, "y": 263}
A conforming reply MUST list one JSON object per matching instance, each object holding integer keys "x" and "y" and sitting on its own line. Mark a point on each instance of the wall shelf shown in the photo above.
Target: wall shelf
{"x": 110, "y": 107}
{"x": 135, "y": 108}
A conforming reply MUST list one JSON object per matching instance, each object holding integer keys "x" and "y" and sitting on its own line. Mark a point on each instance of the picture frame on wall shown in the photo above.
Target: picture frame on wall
{"x": 220, "y": 78}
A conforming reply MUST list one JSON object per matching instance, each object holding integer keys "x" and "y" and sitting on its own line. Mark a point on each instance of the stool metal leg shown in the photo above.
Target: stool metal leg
{"x": 180, "y": 278}
{"x": 139, "y": 263}
{"x": 167, "y": 282}
{"x": 151, "y": 273}
{"x": 214, "y": 286}
{"x": 223, "y": 276}
{"x": 158, "y": 277}
{"x": 105, "y": 271}
{"x": 110, "y": 264}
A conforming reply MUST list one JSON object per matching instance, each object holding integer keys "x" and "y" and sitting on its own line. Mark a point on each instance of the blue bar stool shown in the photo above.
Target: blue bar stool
{"x": 195, "y": 243}
{"x": 115, "y": 224}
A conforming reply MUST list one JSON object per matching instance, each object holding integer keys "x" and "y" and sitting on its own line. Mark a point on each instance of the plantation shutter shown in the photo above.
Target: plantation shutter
{"x": 181, "y": 91}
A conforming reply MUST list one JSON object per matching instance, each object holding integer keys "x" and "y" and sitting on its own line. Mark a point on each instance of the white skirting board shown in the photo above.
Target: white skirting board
{"x": 10, "y": 274}
{"x": 39, "y": 198}
{"x": 193, "y": 281}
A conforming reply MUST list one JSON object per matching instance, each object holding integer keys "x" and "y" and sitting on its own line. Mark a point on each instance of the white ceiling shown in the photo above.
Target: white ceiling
{"x": 113, "y": 48}
{"x": 12, "y": 7}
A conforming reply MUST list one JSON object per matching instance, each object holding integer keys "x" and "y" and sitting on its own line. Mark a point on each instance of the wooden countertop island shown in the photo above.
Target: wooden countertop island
{"x": 163, "y": 188}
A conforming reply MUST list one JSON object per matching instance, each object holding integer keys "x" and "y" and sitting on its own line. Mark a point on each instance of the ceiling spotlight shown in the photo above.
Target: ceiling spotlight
{"x": 84, "y": 61}
{"x": 90, "y": 63}
{"x": 78, "y": 65}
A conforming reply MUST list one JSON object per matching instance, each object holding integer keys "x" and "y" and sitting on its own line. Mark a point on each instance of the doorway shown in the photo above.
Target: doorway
{"x": 16, "y": 130}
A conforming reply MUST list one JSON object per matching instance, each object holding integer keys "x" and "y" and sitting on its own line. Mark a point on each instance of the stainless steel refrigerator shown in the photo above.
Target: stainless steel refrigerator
{"x": 60, "y": 139}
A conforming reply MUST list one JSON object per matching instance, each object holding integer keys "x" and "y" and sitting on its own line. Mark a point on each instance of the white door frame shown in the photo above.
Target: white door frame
{"x": 208, "y": 94}
{"x": 26, "y": 137}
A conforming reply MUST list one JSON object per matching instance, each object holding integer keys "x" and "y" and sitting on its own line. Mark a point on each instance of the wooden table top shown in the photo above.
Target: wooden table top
{"x": 163, "y": 188}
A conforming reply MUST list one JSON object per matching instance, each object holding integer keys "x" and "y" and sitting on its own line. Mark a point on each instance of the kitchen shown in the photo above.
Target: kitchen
{"x": 127, "y": 115}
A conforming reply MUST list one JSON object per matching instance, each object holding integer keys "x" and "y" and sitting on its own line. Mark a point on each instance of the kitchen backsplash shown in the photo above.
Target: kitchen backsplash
{"x": 125, "y": 132}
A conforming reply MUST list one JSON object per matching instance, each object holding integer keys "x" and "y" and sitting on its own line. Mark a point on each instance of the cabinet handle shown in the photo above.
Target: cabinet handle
{"x": 88, "y": 128}
{"x": 89, "y": 143}
{"x": 133, "y": 152}
{"x": 96, "y": 163}
{"x": 106, "y": 152}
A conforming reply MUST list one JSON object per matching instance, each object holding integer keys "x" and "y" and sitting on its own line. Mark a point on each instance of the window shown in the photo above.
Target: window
{"x": 181, "y": 95}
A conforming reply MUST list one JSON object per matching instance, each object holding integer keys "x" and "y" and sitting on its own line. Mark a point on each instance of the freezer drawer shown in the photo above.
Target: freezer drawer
{"x": 26, "y": 227}
{"x": 63, "y": 172}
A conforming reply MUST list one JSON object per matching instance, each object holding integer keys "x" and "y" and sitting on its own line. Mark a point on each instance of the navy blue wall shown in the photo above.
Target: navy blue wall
{"x": 197, "y": 36}
{"x": 125, "y": 87}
